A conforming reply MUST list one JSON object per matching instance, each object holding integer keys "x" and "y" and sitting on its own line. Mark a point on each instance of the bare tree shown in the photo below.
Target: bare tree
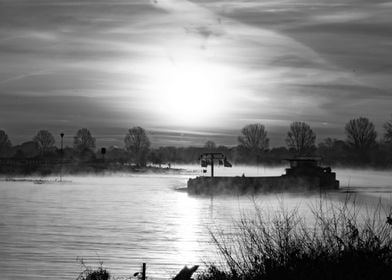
{"x": 5, "y": 143}
{"x": 301, "y": 138}
{"x": 44, "y": 140}
{"x": 388, "y": 132}
{"x": 83, "y": 140}
{"x": 137, "y": 142}
{"x": 361, "y": 135}
{"x": 253, "y": 141}
{"x": 254, "y": 137}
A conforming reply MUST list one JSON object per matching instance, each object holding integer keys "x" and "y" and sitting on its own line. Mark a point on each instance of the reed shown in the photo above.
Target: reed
{"x": 341, "y": 242}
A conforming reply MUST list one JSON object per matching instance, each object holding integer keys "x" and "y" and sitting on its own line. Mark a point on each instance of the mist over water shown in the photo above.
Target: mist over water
{"x": 124, "y": 220}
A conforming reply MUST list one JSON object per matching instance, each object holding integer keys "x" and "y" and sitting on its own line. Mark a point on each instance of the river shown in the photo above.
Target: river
{"x": 124, "y": 220}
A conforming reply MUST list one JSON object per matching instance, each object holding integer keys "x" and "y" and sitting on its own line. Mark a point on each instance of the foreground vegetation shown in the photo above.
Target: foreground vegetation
{"x": 89, "y": 273}
{"x": 340, "y": 244}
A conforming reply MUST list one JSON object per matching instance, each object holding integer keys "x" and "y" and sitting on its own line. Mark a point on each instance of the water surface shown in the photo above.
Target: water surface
{"x": 125, "y": 220}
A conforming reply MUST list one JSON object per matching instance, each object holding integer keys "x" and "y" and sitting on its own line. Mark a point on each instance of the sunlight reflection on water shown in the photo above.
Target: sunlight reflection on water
{"x": 126, "y": 220}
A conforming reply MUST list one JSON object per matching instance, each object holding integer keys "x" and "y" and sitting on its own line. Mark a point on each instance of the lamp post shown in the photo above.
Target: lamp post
{"x": 62, "y": 136}
{"x": 103, "y": 152}
{"x": 61, "y": 154}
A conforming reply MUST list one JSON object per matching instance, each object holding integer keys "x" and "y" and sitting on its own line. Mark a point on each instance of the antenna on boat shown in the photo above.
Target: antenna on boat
{"x": 209, "y": 158}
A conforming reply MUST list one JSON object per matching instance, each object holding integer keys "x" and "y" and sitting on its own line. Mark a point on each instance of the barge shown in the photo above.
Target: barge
{"x": 304, "y": 174}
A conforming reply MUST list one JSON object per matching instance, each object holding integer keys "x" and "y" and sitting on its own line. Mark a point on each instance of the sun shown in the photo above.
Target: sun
{"x": 190, "y": 93}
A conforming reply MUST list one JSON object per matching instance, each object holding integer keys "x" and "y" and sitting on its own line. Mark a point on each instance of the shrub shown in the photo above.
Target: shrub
{"x": 90, "y": 274}
{"x": 340, "y": 243}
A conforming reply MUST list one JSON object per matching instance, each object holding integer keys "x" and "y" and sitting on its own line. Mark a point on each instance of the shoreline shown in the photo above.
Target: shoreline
{"x": 11, "y": 176}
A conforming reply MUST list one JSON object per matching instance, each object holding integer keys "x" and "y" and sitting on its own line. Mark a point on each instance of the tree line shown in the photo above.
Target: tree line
{"x": 42, "y": 146}
{"x": 360, "y": 147}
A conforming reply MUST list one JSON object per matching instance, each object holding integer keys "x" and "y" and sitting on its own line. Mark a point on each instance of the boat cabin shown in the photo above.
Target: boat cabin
{"x": 306, "y": 166}
{"x": 310, "y": 167}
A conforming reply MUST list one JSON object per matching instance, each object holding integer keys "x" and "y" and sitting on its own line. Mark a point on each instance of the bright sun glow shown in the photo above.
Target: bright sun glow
{"x": 191, "y": 93}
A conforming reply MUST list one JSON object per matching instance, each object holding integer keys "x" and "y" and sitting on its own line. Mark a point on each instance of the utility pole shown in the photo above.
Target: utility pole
{"x": 212, "y": 165}
{"x": 144, "y": 272}
{"x": 61, "y": 150}
{"x": 61, "y": 155}
{"x": 103, "y": 152}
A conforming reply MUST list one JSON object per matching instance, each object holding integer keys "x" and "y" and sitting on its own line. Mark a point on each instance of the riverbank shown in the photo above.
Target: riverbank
{"x": 70, "y": 168}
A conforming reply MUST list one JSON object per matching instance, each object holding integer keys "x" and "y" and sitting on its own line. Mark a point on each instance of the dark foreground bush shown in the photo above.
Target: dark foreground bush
{"x": 89, "y": 273}
{"x": 340, "y": 243}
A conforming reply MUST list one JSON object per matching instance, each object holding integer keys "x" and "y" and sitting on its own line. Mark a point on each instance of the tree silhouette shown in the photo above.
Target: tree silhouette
{"x": 254, "y": 137}
{"x": 253, "y": 140}
{"x": 83, "y": 140}
{"x": 361, "y": 136}
{"x": 156, "y": 158}
{"x": 210, "y": 145}
{"x": 388, "y": 132}
{"x": 137, "y": 142}
{"x": 332, "y": 150}
{"x": 5, "y": 143}
{"x": 301, "y": 138}
{"x": 45, "y": 140}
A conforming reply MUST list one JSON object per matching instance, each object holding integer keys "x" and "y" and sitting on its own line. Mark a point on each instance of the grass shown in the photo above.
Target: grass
{"x": 340, "y": 243}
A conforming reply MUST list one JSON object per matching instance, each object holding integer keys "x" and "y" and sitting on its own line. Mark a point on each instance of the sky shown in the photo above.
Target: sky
{"x": 192, "y": 71}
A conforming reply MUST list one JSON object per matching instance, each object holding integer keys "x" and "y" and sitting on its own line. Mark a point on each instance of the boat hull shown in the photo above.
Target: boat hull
{"x": 252, "y": 185}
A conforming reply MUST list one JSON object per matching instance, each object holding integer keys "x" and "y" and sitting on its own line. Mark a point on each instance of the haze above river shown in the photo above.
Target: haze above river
{"x": 127, "y": 219}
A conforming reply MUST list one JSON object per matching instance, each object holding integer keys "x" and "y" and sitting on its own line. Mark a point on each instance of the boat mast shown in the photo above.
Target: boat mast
{"x": 209, "y": 158}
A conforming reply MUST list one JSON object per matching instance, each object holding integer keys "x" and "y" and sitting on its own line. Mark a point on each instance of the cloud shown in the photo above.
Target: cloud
{"x": 273, "y": 62}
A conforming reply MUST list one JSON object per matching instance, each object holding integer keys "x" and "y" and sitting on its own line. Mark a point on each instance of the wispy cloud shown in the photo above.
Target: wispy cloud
{"x": 272, "y": 61}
